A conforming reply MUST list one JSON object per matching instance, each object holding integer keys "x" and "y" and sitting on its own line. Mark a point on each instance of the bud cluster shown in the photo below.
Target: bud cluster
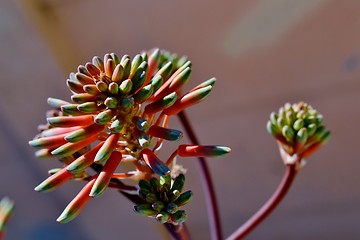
{"x": 163, "y": 198}
{"x": 298, "y": 129}
{"x": 119, "y": 112}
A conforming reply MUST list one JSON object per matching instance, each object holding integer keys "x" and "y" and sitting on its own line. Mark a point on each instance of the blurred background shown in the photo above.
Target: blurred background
{"x": 263, "y": 53}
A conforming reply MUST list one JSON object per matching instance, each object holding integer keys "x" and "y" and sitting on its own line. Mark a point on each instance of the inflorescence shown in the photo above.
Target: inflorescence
{"x": 119, "y": 113}
{"x": 299, "y": 131}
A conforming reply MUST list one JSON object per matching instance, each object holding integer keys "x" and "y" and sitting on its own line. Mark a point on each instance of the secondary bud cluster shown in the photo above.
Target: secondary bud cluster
{"x": 298, "y": 129}
{"x": 162, "y": 199}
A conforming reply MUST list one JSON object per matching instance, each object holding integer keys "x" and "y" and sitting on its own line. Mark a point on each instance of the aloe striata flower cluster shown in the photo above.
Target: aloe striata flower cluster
{"x": 119, "y": 113}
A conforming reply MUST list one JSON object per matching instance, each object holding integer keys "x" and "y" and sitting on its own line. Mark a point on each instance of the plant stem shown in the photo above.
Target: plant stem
{"x": 269, "y": 206}
{"x": 179, "y": 232}
{"x": 209, "y": 190}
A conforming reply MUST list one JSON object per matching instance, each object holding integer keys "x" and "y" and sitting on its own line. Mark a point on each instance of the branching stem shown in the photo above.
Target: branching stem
{"x": 269, "y": 206}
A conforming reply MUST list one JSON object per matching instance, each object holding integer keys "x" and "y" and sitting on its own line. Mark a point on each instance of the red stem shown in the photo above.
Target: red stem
{"x": 269, "y": 206}
{"x": 209, "y": 190}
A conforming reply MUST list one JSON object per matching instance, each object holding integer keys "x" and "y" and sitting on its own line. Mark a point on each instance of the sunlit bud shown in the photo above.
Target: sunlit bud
{"x": 161, "y": 104}
{"x": 298, "y": 124}
{"x": 43, "y": 153}
{"x": 126, "y": 65}
{"x": 137, "y": 60}
{"x": 184, "y": 198}
{"x": 7, "y": 207}
{"x": 138, "y": 80}
{"x": 48, "y": 142}
{"x": 288, "y": 133}
{"x": 154, "y": 162}
{"x": 156, "y": 82}
{"x": 151, "y": 198}
{"x": 118, "y": 73}
{"x": 74, "y": 208}
{"x": 320, "y": 131}
{"x": 53, "y": 171}
{"x": 172, "y": 208}
{"x": 111, "y": 102}
{"x": 102, "y": 86}
{"x": 155, "y": 184}
{"x": 143, "y": 192}
{"x": 289, "y": 118}
{"x": 54, "y": 181}
{"x": 273, "y": 118}
{"x": 141, "y": 123}
{"x": 127, "y": 102}
{"x": 175, "y": 195}
{"x": 165, "y": 182}
{"x": 70, "y": 148}
{"x": 104, "y": 117}
{"x": 84, "y": 133}
{"x": 272, "y": 129}
{"x": 165, "y": 133}
{"x": 145, "y": 209}
{"x": 84, "y": 79}
{"x": 153, "y": 63}
{"x": 84, "y": 161}
{"x": 165, "y": 71}
{"x": 113, "y": 88}
{"x": 143, "y": 94}
{"x": 83, "y": 70}
{"x": 70, "y": 121}
{"x": 89, "y": 107}
{"x": 311, "y": 128}
{"x": 325, "y": 137}
{"x": 210, "y": 82}
{"x": 179, "y": 217}
{"x": 301, "y": 136}
{"x": 91, "y": 89}
{"x": 109, "y": 67}
{"x": 188, "y": 100}
{"x": 98, "y": 62}
{"x": 75, "y": 86}
{"x": 281, "y": 122}
{"x": 179, "y": 183}
{"x": 83, "y": 97}
{"x": 56, "y": 103}
{"x": 144, "y": 184}
{"x": 57, "y": 131}
{"x": 71, "y": 109}
{"x": 162, "y": 217}
{"x": 185, "y": 150}
{"x": 115, "y": 58}
{"x": 158, "y": 206}
{"x": 301, "y": 114}
{"x": 116, "y": 126}
{"x": 144, "y": 56}
{"x": 103, "y": 180}
{"x": 180, "y": 80}
{"x": 125, "y": 86}
{"x": 106, "y": 150}
{"x": 143, "y": 139}
{"x": 92, "y": 69}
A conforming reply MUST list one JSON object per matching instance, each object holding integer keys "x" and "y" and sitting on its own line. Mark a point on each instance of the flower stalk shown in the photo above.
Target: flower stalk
{"x": 269, "y": 206}
{"x": 209, "y": 190}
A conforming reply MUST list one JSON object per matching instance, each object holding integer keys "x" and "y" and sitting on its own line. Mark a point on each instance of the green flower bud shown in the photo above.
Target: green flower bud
{"x": 163, "y": 217}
